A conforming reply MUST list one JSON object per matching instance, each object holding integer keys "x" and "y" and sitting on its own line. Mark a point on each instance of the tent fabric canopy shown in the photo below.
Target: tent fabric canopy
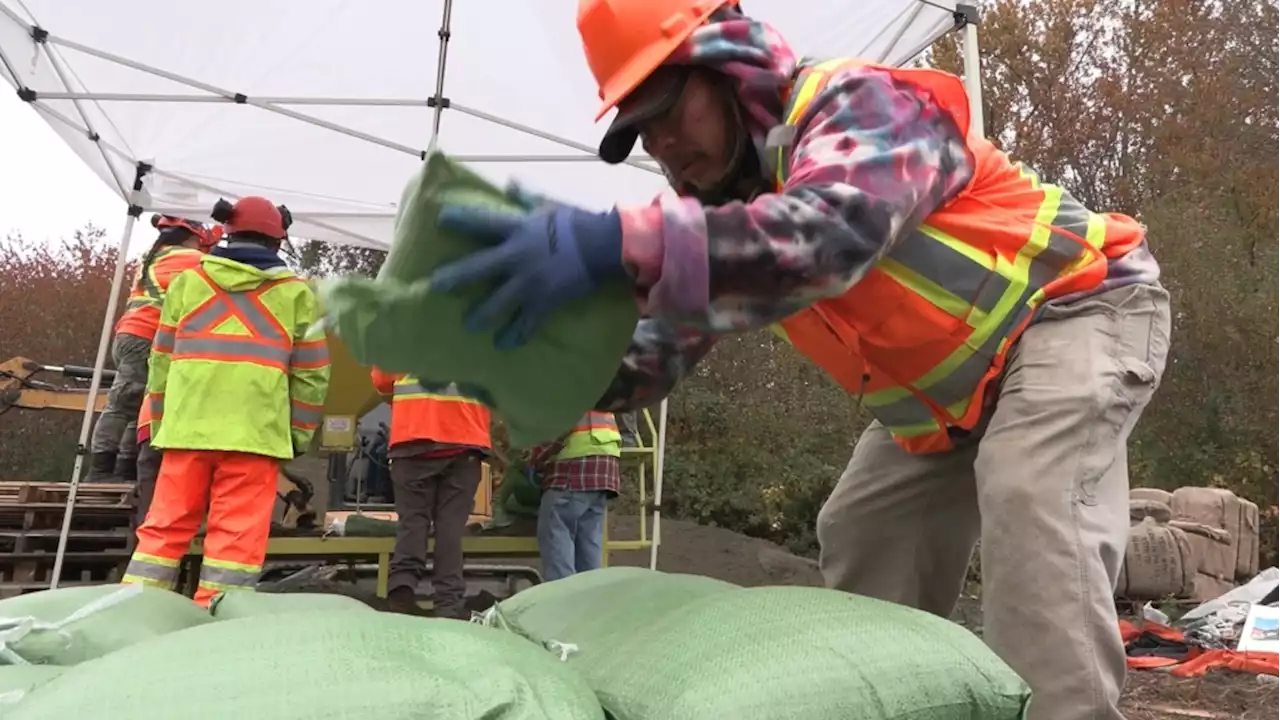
{"x": 325, "y": 106}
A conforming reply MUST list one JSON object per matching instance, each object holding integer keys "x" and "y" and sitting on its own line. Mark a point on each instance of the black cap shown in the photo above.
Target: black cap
{"x": 656, "y": 95}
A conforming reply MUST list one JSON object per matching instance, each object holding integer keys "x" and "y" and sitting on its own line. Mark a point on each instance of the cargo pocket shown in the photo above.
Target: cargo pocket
{"x": 1124, "y": 394}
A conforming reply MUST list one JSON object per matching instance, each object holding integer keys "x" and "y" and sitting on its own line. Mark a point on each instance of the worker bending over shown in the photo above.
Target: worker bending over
{"x": 179, "y": 246}
{"x": 578, "y": 475}
{"x": 239, "y": 372}
{"x": 438, "y": 443}
{"x": 1005, "y": 337}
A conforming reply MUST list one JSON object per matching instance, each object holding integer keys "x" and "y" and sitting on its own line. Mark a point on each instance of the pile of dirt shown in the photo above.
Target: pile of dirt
{"x": 725, "y": 555}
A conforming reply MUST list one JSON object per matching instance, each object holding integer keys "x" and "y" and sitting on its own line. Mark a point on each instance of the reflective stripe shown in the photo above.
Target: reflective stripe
{"x": 147, "y": 569}
{"x": 163, "y": 341}
{"x": 408, "y": 388}
{"x": 222, "y": 575}
{"x": 156, "y": 401}
{"x": 229, "y": 348}
{"x": 305, "y": 416}
{"x": 313, "y": 354}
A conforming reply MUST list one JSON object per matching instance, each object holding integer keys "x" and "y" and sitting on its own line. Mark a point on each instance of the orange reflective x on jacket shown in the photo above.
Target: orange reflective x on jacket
{"x": 442, "y": 416}
{"x": 142, "y": 309}
{"x": 923, "y": 334}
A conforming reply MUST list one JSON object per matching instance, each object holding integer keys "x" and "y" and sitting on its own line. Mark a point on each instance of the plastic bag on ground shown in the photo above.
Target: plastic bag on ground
{"x": 234, "y": 605}
{"x": 71, "y": 625}
{"x": 321, "y": 666}
{"x": 18, "y": 680}
{"x": 541, "y": 389}
{"x": 772, "y": 653}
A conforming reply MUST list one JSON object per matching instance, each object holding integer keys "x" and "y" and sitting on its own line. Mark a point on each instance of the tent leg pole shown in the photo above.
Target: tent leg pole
{"x": 659, "y": 460}
{"x": 95, "y": 384}
{"x": 439, "y": 101}
{"x": 972, "y": 70}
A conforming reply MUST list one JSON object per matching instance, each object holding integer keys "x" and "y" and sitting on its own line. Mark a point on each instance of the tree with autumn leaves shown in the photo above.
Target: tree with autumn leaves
{"x": 1164, "y": 110}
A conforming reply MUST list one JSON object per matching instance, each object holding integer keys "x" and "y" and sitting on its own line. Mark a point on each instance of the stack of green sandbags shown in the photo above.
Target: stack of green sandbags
{"x": 540, "y": 390}
{"x": 240, "y": 604}
{"x": 72, "y": 625}
{"x": 669, "y": 647}
{"x": 335, "y": 665}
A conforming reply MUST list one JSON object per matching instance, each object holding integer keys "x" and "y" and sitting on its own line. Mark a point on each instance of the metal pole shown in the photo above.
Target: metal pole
{"x": 659, "y": 460}
{"x": 104, "y": 341}
{"x": 440, "y": 63}
{"x": 973, "y": 72}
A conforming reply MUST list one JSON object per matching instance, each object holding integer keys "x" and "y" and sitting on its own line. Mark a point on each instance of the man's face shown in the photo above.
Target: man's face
{"x": 691, "y": 139}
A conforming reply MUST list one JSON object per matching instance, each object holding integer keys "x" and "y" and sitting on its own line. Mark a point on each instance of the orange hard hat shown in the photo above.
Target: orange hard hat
{"x": 254, "y": 214}
{"x": 626, "y": 40}
{"x": 207, "y": 236}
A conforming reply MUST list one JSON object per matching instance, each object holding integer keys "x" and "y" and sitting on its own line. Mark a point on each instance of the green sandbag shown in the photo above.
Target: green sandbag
{"x": 358, "y": 525}
{"x": 518, "y": 496}
{"x": 771, "y": 653}
{"x": 235, "y": 605}
{"x": 540, "y": 390}
{"x": 114, "y": 616}
{"x": 16, "y": 681}
{"x": 321, "y": 666}
{"x": 595, "y": 610}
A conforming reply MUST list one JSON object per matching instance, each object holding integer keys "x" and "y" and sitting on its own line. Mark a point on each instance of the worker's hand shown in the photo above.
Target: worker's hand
{"x": 531, "y": 474}
{"x": 544, "y": 260}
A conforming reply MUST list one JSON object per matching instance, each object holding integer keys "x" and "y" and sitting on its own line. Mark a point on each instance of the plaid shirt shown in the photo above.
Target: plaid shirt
{"x": 593, "y": 473}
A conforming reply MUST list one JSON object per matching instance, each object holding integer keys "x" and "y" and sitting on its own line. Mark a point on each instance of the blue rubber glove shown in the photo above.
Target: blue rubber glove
{"x": 545, "y": 259}
{"x": 531, "y": 475}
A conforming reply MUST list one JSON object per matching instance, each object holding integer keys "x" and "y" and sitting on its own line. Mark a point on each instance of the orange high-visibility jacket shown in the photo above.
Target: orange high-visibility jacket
{"x": 924, "y": 333}
{"x": 142, "y": 309}
{"x": 443, "y": 416}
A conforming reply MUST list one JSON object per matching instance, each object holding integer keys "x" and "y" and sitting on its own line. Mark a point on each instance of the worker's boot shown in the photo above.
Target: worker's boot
{"x": 127, "y": 469}
{"x": 102, "y": 467}
{"x": 403, "y": 600}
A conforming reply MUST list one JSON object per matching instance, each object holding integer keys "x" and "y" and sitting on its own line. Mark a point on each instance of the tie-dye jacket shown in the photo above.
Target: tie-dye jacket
{"x": 871, "y": 161}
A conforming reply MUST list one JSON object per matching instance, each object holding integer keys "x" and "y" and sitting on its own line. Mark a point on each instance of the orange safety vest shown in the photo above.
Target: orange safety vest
{"x": 142, "y": 308}
{"x": 444, "y": 416}
{"x": 922, "y": 335}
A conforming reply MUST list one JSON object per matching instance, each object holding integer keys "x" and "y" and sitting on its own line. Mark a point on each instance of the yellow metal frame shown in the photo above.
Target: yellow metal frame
{"x": 378, "y": 550}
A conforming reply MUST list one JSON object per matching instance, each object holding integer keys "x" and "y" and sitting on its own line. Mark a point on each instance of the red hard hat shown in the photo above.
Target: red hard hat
{"x": 208, "y": 236}
{"x": 254, "y": 214}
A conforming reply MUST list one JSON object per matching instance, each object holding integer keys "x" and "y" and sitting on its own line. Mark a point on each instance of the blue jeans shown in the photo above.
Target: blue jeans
{"x": 570, "y": 532}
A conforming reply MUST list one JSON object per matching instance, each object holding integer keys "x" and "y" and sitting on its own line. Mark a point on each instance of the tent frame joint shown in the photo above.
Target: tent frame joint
{"x": 39, "y": 35}
{"x": 966, "y": 15}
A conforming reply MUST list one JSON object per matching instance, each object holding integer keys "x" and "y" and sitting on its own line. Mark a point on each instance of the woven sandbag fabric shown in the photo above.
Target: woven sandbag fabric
{"x": 541, "y": 389}
{"x": 235, "y": 605}
{"x": 518, "y": 495}
{"x": 16, "y": 681}
{"x": 144, "y": 613}
{"x": 792, "y": 653}
{"x": 341, "y": 665}
{"x": 596, "y": 610}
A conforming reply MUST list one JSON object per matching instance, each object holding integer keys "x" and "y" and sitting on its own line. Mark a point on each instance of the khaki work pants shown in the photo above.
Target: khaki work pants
{"x": 1045, "y": 486}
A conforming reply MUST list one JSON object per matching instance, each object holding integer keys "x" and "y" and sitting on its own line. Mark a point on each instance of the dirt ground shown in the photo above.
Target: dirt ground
{"x": 719, "y": 553}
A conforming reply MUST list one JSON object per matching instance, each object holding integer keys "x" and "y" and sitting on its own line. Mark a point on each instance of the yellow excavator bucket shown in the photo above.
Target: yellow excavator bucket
{"x": 351, "y": 395}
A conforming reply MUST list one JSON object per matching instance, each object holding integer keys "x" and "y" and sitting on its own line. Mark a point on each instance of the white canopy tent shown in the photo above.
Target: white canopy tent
{"x": 328, "y": 106}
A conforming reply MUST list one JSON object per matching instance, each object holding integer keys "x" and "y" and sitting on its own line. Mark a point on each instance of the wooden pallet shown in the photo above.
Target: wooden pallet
{"x": 29, "y": 572}
{"x": 87, "y": 494}
{"x": 46, "y": 540}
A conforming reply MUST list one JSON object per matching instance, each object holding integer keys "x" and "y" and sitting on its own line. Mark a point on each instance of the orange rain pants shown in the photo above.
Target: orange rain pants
{"x": 239, "y": 491}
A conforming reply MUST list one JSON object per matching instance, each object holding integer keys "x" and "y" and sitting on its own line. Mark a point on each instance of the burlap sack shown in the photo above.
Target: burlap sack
{"x": 1164, "y": 497}
{"x": 1158, "y": 563}
{"x": 1247, "y": 544}
{"x": 1140, "y": 510}
{"x": 1218, "y": 509}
